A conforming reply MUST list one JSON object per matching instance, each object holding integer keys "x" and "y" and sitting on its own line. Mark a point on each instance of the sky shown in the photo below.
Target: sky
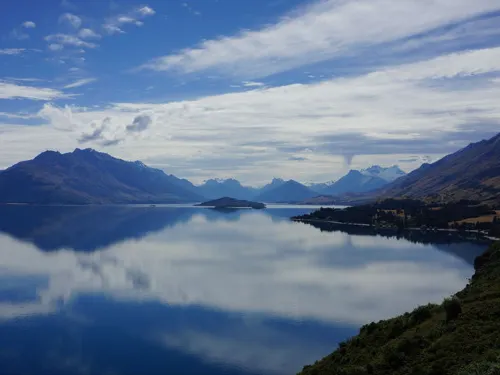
{"x": 249, "y": 89}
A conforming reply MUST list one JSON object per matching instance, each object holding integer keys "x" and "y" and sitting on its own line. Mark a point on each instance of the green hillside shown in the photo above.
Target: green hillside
{"x": 459, "y": 337}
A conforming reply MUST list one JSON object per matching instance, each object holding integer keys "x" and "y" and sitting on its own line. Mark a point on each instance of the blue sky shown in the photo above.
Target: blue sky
{"x": 250, "y": 89}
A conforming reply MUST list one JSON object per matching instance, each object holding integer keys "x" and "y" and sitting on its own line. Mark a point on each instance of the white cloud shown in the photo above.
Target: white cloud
{"x": 29, "y": 25}
{"x": 252, "y": 84}
{"x": 71, "y": 19}
{"x": 394, "y": 113}
{"x": 14, "y": 91}
{"x": 88, "y": 34}
{"x": 80, "y": 82}
{"x": 12, "y": 51}
{"x": 467, "y": 63}
{"x": 125, "y": 19}
{"x": 113, "y": 29}
{"x": 55, "y": 47}
{"x": 20, "y": 32}
{"x": 113, "y": 24}
{"x": 322, "y": 31}
{"x": 71, "y": 40}
{"x": 146, "y": 11}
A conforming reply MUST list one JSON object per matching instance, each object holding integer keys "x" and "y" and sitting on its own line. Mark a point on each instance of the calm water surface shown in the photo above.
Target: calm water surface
{"x": 180, "y": 290}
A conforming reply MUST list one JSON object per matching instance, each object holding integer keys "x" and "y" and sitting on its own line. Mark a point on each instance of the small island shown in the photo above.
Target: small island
{"x": 228, "y": 202}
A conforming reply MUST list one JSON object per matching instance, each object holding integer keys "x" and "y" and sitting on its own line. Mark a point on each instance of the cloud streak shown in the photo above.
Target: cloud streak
{"x": 80, "y": 82}
{"x": 15, "y": 91}
{"x": 12, "y": 51}
{"x": 69, "y": 40}
{"x": 323, "y": 31}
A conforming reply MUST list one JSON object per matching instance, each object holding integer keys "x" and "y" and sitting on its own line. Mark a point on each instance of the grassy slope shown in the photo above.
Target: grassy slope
{"x": 422, "y": 342}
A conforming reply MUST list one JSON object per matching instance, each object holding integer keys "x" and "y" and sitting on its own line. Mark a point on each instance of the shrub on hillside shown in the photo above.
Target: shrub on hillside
{"x": 453, "y": 308}
{"x": 421, "y": 314}
{"x": 482, "y": 368}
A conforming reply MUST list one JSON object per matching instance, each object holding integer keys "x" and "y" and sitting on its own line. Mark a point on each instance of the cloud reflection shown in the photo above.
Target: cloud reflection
{"x": 253, "y": 265}
{"x": 243, "y": 289}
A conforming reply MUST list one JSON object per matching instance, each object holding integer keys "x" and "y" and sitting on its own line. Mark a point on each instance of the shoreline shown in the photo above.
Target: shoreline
{"x": 449, "y": 230}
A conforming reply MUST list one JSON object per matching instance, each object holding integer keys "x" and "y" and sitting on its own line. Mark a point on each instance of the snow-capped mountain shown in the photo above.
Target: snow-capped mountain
{"x": 319, "y": 186}
{"x": 388, "y": 174}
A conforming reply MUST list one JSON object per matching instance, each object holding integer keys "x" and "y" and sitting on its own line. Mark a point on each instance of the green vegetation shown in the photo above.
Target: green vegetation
{"x": 409, "y": 213}
{"x": 459, "y": 337}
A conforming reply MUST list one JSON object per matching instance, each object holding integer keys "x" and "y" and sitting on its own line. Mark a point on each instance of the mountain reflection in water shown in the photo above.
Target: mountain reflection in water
{"x": 186, "y": 290}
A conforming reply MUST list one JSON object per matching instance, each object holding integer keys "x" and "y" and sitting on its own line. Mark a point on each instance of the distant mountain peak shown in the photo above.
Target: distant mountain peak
{"x": 47, "y": 153}
{"x": 140, "y": 164}
{"x": 354, "y": 172}
{"x": 87, "y": 151}
{"x": 388, "y": 174}
{"x": 222, "y": 181}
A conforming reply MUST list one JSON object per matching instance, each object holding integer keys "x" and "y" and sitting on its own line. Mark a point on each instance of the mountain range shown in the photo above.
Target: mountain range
{"x": 91, "y": 177}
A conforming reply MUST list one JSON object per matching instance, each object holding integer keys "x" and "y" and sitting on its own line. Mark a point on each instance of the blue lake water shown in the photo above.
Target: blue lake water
{"x": 183, "y": 290}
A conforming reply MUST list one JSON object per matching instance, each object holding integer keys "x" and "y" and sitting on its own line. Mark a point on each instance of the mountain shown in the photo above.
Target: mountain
{"x": 471, "y": 173}
{"x": 289, "y": 191}
{"x": 354, "y": 182}
{"x": 215, "y": 188}
{"x": 388, "y": 174}
{"x": 90, "y": 177}
{"x": 361, "y": 181}
{"x": 276, "y": 182}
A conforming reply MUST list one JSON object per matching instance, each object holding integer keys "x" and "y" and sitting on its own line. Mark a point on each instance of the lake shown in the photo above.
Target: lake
{"x": 184, "y": 290}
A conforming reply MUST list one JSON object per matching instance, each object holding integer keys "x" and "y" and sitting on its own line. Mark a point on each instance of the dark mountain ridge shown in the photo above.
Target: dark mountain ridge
{"x": 90, "y": 177}
{"x": 471, "y": 173}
